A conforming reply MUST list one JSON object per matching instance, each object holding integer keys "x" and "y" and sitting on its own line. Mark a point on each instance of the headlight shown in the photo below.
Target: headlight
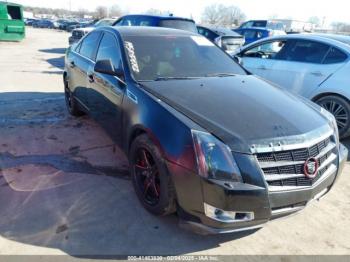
{"x": 332, "y": 122}
{"x": 214, "y": 158}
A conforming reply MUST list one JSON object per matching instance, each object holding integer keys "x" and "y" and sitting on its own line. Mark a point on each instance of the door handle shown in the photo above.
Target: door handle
{"x": 72, "y": 64}
{"x": 316, "y": 73}
{"x": 91, "y": 78}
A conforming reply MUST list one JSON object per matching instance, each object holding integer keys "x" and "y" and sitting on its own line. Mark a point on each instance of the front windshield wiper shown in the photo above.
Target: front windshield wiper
{"x": 220, "y": 74}
{"x": 165, "y": 78}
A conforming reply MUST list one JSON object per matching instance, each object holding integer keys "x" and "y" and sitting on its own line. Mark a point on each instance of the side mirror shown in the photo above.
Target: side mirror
{"x": 106, "y": 67}
{"x": 238, "y": 60}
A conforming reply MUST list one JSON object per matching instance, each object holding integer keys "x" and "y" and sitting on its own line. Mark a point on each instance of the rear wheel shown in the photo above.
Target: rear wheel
{"x": 340, "y": 108}
{"x": 150, "y": 177}
{"x": 70, "y": 101}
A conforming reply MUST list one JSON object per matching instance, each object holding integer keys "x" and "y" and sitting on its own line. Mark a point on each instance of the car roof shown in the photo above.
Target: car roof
{"x": 146, "y": 31}
{"x": 161, "y": 17}
{"x": 221, "y": 30}
{"x": 336, "y": 40}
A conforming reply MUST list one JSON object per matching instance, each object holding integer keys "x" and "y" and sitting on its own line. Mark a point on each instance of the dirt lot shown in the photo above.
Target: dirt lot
{"x": 64, "y": 186}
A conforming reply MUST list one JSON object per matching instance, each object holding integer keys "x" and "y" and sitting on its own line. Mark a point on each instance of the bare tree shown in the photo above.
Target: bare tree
{"x": 341, "y": 27}
{"x": 101, "y": 12}
{"x": 211, "y": 15}
{"x": 82, "y": 12}
{"x": 233, "y": 16}
{"x": 154, "y": 11}
{"x": 115, "y": 11}
{"x": 221, "y": 15}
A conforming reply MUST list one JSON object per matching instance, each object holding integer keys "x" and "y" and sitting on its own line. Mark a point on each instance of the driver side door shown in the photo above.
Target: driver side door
{"x": 261, "y": 59}
{"x": 106, "y": 91}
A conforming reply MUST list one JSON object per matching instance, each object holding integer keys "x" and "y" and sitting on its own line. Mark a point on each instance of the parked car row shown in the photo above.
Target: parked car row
{"x": 61, "y": 24}
{"x": 79, "y": 32}
{"x": 225, "y": 38}
{"x": 226, "y": 150}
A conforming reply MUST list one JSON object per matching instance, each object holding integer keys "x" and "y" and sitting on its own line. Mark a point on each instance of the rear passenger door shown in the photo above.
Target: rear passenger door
{"x": 106, "y": 91}
{"x": 80, "y": 63}
{"x": 305, "y": 65}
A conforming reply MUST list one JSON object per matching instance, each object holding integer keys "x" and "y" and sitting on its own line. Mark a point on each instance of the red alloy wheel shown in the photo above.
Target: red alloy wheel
{"x": 147, "y": 176}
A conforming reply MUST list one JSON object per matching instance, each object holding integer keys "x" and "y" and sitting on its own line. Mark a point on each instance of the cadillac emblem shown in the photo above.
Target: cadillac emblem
{"x": 311, "y": 167}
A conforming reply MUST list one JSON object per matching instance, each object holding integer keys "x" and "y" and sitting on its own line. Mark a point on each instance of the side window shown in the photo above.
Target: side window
{"x": 119, "y": 22}
{"x": 335, "y": 56}
{"x": 259, "y": 34}
{"x": 247, "y": 24}
{"x": 307, "y": 52}
{"x": 269, "y": 50}
{"x": 145, "y": 22}
{"x": 208, "y": 34}
{"x": 77, "y": 48}
{"x": 129, "y": 21}
{"x": 249, "y": 34}
{"x": 89, "y": 44}
{"x": 109, "y": 49}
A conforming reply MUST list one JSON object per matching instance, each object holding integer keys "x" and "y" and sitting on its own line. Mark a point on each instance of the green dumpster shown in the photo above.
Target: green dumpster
{"x": 12, "y": 26}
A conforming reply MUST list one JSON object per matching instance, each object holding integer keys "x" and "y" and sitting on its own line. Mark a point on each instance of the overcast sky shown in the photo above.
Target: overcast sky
{"x": 335, "y": 10}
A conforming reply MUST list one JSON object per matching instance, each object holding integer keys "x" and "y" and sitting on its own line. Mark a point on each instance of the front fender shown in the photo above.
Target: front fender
{"x": 169, "y": 130}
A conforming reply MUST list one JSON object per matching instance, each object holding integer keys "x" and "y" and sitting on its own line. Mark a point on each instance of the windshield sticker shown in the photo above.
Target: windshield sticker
{"x": 202, "y": 41}
{"x": 132, "y": 57}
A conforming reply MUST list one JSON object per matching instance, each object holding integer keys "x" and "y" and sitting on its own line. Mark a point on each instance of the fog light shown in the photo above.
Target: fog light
{"x": 227, "y": 216}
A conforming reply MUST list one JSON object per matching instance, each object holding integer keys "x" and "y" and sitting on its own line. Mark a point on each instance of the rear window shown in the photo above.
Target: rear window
{"x": 335, "y": 56}
{"x": 260, "y": 24}
{"x": 179, "y": 24}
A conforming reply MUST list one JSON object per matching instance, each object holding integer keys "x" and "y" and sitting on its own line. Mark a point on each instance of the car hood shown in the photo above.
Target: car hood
{"x": 243, "y": 111}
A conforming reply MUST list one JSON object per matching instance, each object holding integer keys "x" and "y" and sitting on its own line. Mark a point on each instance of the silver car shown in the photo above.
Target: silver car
{"x": 315, "y": 66}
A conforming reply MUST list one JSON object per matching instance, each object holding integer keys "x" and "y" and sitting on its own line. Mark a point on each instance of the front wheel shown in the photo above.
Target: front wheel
{"x": 340, "y": 108}
{"x": 150, "y": 177}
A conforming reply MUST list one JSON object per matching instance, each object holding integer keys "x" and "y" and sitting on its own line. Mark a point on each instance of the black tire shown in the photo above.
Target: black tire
{"x": 340, "y": 108}
{"x": 71, "y": 103}
{"x": 164, "y": 202}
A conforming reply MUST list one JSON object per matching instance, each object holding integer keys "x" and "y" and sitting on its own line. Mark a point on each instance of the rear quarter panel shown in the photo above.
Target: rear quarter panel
{"x": 337, "y": 83}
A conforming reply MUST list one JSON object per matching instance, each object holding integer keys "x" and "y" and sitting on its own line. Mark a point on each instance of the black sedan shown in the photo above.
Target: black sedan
{"x": 222, "y": 148}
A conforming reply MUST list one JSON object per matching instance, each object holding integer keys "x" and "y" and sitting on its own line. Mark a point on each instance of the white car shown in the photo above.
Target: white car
{"x": 315, "y": 66}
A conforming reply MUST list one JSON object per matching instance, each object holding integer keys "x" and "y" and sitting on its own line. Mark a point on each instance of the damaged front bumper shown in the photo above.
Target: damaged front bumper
{"x": 236, "y": 207}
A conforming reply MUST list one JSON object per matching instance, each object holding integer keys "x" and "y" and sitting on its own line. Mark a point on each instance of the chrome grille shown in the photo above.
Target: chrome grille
{"x": 286, "y": 168}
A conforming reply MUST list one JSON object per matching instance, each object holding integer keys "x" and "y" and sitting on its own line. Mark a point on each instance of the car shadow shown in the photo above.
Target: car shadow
{"x": 57, "y": 62}
{"x": 58, "y": 190}
{"x": 53, "y": 50}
